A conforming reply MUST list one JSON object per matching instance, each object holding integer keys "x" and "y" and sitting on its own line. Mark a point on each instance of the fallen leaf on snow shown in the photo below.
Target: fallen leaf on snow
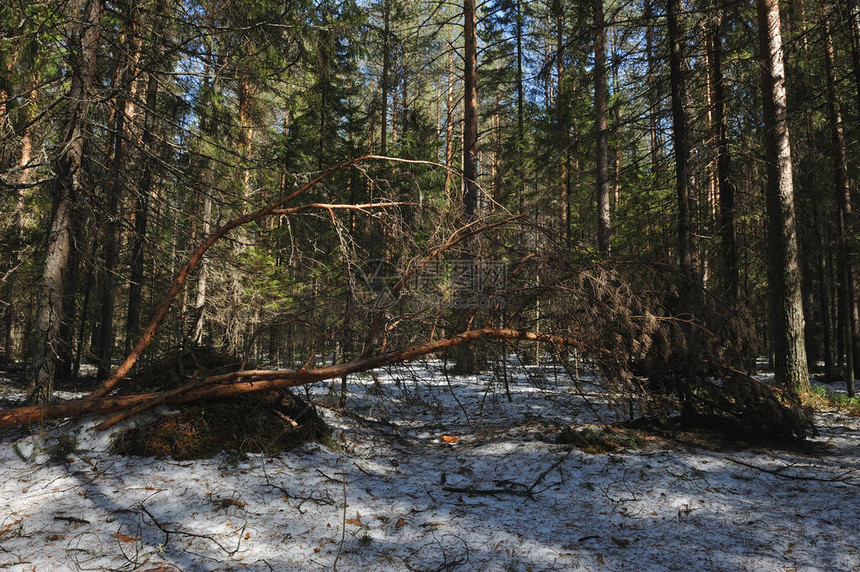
{"x": 228, "y": 502}
{"x": 124, "y": 537}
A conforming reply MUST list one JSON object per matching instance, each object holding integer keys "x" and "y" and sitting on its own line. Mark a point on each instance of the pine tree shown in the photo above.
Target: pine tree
{"x": 786, "y": 312}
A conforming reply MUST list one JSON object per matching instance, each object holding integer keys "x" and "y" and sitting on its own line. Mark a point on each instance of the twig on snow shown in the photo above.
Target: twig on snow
{"x": 549, "y": 470}
{"x": 167, "y": 532}
{"x": 777, "y": 472}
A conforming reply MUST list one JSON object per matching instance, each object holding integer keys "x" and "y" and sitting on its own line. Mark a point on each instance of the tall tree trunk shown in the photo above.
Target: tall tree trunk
{"x": 386, "y": 64}
{"x": 844, "y": 216}
{"x": 470, "y": 111}
{"x": 854, "y": 22}
{"x": 245, "y": 94}
{"x": 497, "y": 175}
{"x": 404, "y": 96}
{"x": 74, "y": 320}
{"x": 601, "y": 127}
{"x": 562, "y": 115}
{"x": 203, "y": 275}
{"x": 80, "y": 337}
{"x": 10, "y": 324}
{"x": 141, "y": 216}
{"x": 615, "y": 58}
{"x": 449, "y": 127}
{"x": 719, "y": 132}
{"x": 126, "y": 84}
{"x": 653, "y": 99}
{"x": 84, "y": 39}
{"x": 8, "y": 64}
{"x": 681, "y": 134}
{"x": 465, "y": 360}
{"x": 824, "y": 294}
{"x": 786, "y": 309}
{"x": 648, "y": 12}
{"x": 144, "y": 192}
{"x": 520, "y": 112}
{"x": 324, "y": 70}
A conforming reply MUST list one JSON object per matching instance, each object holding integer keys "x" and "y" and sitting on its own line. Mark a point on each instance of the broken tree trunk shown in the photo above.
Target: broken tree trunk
{"x": 244, "y": 382}
{"x": 197, "y": 255}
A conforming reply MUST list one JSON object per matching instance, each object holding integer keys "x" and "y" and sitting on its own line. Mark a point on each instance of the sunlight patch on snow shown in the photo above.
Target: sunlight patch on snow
{"x": 396, "y": 496}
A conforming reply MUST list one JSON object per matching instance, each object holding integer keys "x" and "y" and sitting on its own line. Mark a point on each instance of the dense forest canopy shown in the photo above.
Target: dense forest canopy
{"x": 627, "y": 163}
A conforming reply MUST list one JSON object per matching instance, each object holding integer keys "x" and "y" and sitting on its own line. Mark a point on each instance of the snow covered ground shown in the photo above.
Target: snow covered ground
{"x": 397, "y": 496}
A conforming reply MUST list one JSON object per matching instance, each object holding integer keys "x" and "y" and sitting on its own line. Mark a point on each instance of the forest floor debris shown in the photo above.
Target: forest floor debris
{"x": 415, "y": 479}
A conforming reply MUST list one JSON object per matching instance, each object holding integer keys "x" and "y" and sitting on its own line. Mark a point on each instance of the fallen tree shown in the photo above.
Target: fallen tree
{"x": 252, "y": 381}
{"x": 659, "y": 346}
{"x": 275, "y": 208}
{"x": 244, "y": 382}
{"x": 734, "y": 402}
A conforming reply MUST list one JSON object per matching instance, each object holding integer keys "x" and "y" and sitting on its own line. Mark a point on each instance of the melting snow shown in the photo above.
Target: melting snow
{"x": 395, "y": 496}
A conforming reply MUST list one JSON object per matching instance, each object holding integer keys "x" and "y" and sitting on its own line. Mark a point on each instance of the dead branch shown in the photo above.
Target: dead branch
{"x": 489, "y": 492}
{"x": 163, "y": 306}
{"x": 245, "y": 382}
{"x": 168, "y": 531}
{"x": 155, "y": 401}
{"x": 468, "y": 231}
{"x": 549, "y": 470}
{"x": 778, "y": 473}
{"x": 364, "y": 207}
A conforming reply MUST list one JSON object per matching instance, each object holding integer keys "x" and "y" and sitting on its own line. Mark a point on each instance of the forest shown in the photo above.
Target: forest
{"x": 217, "y": 201}
{"x": 340, "y": 179}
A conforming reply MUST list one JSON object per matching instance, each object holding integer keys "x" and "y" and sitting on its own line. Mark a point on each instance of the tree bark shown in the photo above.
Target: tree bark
{"x": 719, "y": 133}
{"x": 25, "y": 156}
{"x": 601, "y": 127}
{"x": 648, "y": 13}
{"x": 449, "y": 127}
{"x": 202, "y": 278}
{"x": 141, "y": 215}
{"x": 245, "y": 93}
{"x": 854, "y": 23}
{"x": 470, "y": 111}
{"x": 466, "y": 360}
{"x": 386, "y": 64}
{"x": 125, "y": 83}
{"x": 520, "y": 112}
{"x": 844, "y": 216}
{"x": 681, "y": 134}
{"x": 67, "y": 182}
{"x": 563, "y": 119}
{"x": 824, "y": 293}
{"x": 786, "y": 310}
